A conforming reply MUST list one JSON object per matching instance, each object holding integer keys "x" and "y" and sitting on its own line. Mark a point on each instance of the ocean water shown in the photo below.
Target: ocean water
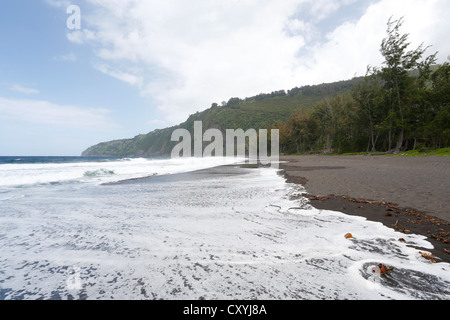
{"x": 135, "y": 228}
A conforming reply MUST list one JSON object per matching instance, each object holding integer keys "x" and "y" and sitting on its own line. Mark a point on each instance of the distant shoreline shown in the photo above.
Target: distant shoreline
{"x": 409, "y": 194}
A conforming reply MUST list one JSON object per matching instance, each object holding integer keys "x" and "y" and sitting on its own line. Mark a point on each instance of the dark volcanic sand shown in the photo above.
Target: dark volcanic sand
{"x": 410, "y": 194}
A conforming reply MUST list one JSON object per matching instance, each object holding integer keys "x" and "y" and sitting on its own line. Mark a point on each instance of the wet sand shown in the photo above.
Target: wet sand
{"x": 409, "y": 194}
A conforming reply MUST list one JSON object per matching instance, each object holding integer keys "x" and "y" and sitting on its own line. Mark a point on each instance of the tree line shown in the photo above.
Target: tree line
{"x": 402, "y": 105}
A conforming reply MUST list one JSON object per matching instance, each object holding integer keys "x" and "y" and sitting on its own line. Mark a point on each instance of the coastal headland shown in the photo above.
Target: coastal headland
{"x": 409, "y": 194}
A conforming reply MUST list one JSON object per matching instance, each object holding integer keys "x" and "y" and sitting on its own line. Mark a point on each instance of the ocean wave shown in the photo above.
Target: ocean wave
{"x": 99, "y": 173}
{"x": 116, "y": 169}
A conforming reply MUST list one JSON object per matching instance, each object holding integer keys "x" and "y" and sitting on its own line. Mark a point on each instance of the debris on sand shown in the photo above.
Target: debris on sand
{"x": 381, "y": 269}
{"x": 428, "y": 256}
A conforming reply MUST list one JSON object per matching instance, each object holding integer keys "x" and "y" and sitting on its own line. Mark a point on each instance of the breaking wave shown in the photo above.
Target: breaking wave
{"x": 44, "y": 170}
{"x": 99, "y": 173}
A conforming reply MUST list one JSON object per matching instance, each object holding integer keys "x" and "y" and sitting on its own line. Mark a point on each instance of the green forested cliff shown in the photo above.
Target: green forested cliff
{"x": 259, "y": 112}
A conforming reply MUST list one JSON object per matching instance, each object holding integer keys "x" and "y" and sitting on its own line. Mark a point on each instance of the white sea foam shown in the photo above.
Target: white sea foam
{"x": 227, "y": 234}
{"x": 102, "y": 171}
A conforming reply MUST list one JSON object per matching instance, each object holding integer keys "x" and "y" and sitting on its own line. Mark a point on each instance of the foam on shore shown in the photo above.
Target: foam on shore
{"x": 231, "y": 234}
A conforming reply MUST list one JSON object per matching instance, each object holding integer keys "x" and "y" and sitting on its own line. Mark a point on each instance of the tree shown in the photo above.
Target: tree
{"x": 369, "y": 95}
{"x": 348, "y": 127}
{"x": 439, "y": 96}
{"x": 325, "y": 114}
{"x": 398, "y": 64}
{"x": 233, "y": 102}
{"x": 303, "y": 129}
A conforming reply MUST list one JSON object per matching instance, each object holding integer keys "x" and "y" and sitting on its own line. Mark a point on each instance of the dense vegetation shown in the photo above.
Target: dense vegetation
{"x": 403, "y": 105}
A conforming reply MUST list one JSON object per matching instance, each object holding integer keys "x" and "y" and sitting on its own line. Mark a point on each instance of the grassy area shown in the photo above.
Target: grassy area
{"x": 443, "y": 152}
{"x": 362, "y": 153}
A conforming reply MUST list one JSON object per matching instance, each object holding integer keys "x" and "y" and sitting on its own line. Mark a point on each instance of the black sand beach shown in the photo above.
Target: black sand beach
{"x": 409, "y": 194}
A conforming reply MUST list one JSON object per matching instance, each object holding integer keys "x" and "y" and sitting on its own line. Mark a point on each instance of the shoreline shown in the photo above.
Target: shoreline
{"x": 379, "y": 189}
{"x": 303, "y": 170}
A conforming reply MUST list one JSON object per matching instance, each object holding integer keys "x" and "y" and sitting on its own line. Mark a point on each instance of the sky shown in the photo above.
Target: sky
{"x": 76, "y": 73}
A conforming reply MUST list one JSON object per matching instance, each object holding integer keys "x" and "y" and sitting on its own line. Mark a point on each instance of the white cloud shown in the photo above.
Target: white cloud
{"x": 188, "y": 54}
{"x": 321, "y": 9}
{"x": 120, "y": 75}
{"x": 24, "y": 90}
{"x": 47, "y": 113}
{"x": 198, "y": 52}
